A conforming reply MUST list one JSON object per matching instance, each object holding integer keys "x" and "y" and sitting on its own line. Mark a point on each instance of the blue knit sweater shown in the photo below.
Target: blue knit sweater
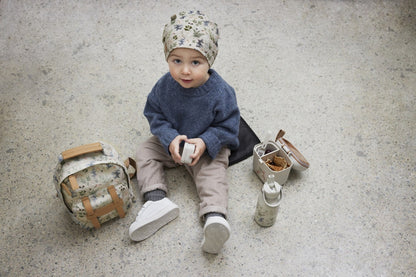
{"x": 209, "y": 112}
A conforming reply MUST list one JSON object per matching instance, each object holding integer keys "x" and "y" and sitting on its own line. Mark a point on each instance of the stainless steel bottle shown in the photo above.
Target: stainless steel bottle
{"x": 268, "y": 202}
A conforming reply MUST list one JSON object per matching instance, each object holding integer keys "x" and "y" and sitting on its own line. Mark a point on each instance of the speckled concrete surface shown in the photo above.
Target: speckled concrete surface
{"x": 338, "y": 76}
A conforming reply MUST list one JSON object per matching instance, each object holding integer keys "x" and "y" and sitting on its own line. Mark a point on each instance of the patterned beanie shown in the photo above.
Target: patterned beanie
{"x": 191, "y": 30}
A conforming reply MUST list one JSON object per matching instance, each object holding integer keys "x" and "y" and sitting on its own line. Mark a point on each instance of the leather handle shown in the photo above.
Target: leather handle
{"x": 81, "y": 150}
{"x": 279, "y": 135}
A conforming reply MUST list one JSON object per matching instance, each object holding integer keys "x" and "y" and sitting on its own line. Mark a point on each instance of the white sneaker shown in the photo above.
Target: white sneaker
{"x": 153, "y": 216}
{"x": 216, "y": 233}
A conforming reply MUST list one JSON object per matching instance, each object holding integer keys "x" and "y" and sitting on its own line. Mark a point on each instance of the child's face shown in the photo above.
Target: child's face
{"x": 188, "y": 67}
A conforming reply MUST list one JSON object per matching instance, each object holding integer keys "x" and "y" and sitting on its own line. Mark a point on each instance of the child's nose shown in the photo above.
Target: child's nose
{"x": 186, "y": 69}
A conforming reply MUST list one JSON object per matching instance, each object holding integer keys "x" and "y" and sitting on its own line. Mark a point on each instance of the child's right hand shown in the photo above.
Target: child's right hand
{"x": 174, "y": 148}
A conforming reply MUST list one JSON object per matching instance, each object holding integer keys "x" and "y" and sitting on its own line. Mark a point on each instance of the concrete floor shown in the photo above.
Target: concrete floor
{"x": 338, "y": 76}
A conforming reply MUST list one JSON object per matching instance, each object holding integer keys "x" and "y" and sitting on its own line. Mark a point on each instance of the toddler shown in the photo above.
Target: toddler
{"x": 193, "y": 104}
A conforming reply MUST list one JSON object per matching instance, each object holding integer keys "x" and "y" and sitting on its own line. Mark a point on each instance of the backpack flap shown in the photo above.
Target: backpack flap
{"x": 82, "y": 157}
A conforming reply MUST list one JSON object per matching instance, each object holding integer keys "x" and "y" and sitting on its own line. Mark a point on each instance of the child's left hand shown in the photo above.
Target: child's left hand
{"x": 174, "y": 148}
{"x": 200, "y": 148}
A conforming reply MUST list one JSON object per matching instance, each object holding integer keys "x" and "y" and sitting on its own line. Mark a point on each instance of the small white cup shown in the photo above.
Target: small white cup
{"x": 188, "y": 150}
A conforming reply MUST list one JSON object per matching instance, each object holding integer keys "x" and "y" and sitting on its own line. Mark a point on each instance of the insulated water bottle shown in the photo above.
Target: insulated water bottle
{"x": 268, "y": 202}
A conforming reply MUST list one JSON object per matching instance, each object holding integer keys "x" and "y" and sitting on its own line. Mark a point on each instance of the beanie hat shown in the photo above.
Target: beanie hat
{"x": 191, "y": 30}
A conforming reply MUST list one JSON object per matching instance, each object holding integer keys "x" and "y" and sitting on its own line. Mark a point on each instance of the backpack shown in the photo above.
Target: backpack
{"x": 94, "y": 183}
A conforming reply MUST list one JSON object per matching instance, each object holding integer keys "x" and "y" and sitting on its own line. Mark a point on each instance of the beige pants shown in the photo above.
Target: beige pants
{"x": 209, "y": 175}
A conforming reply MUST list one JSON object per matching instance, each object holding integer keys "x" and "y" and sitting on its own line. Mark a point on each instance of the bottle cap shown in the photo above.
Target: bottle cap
{"x": 271, "y": 188}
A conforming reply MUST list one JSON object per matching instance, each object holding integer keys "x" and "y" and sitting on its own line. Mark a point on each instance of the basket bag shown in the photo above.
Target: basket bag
{"x": 94, "y": 183}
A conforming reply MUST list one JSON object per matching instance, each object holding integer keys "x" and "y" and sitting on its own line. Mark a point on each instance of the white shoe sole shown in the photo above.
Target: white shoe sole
{"x": 139, "y": 232}
{"x": 216, "y": 233}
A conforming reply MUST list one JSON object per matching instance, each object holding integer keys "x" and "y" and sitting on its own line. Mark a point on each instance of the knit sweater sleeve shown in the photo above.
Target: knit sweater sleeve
{"x": 224, "y": 129}
{"x": 160, "y": 126}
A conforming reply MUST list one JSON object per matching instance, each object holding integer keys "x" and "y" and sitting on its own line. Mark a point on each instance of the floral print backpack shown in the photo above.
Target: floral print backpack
{"x": 94, "y": 183}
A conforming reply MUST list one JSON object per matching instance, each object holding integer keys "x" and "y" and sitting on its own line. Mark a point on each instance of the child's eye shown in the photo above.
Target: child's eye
{"x": 195, "y": 63}
{"x": 176, "y": 61}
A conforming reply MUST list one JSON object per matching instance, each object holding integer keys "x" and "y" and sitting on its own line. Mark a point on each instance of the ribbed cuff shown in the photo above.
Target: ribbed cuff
{"x": 154, "y": 195}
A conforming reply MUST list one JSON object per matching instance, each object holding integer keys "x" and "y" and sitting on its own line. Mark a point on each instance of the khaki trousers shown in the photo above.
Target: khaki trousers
{"x": 209, "y": 175}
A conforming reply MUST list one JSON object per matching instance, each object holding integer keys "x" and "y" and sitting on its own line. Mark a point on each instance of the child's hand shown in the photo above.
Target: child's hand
{"x": 200, "y": 148}
{"x": 174, "y": 148}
